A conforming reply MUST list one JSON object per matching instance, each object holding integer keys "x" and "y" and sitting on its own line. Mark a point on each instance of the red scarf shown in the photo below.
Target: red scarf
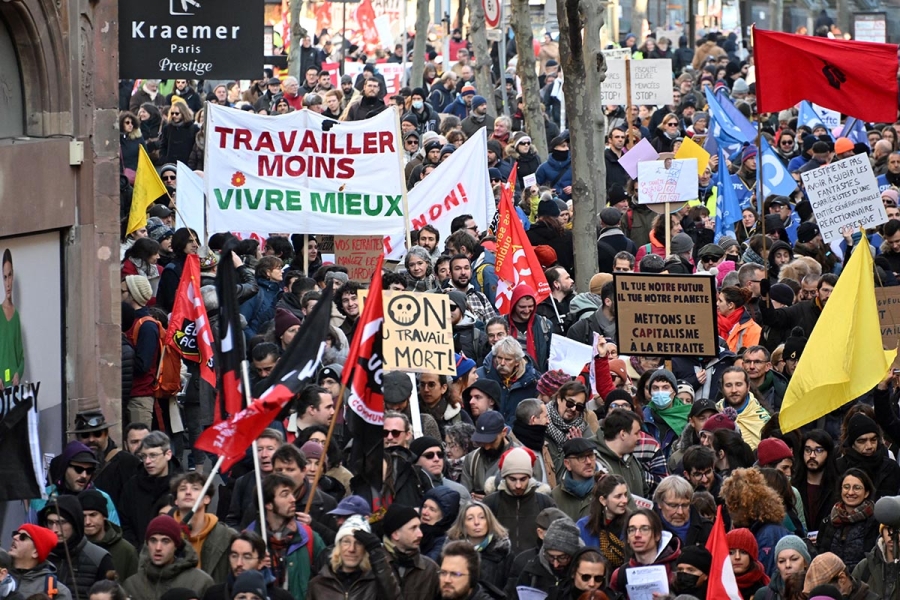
{"x": 755, "y": 575}
{"x": 726, "y": 324}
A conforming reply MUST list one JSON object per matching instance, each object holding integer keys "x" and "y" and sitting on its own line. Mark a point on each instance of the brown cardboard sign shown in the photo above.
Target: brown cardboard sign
{"x": 359, "y": 254}
{"x": 418, "y": 333}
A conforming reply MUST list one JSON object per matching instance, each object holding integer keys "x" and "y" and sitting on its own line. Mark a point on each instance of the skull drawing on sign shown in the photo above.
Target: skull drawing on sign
{"x": 404, "y": 310}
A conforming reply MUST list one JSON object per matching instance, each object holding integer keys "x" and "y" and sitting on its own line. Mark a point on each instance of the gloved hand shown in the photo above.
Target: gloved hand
{"x": 764, "y": 287}
{"x": 369, "y": 541}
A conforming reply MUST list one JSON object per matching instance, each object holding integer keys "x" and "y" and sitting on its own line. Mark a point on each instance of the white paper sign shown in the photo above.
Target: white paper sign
{"x": 669, "y": 180}
{"x": 651, "y": 81}
{"x": 530, "y": 180}
{"x": 643, "y": 582}
{"x": 529, "y": 593}
{"x": 844, "y": 193}
{"x": 568, "y": 355}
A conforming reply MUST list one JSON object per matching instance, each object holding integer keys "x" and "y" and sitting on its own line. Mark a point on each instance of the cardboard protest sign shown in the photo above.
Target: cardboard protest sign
{"x": 888, "y": 301}
{"x": 359, "y": 254}
{"x": 418, "y": 333}
{"x": 303, "y": 173}
{"x": 460, "y": 185}
{"x": 844, "y": 193}
{"x": 669, "y": 180}
{"x": 666, "y": 315}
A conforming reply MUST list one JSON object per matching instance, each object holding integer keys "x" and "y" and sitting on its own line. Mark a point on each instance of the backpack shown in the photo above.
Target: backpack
{"x": 167, "y": 381}
{"x": 51, "y": 588}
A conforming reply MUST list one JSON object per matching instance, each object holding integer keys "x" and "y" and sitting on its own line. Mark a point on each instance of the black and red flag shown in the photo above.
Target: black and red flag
{"x": 230, "y": 343}
{"x": 189, "y": 333}
{"x": 362, "y": 375}
{"x": 231, "y": 438}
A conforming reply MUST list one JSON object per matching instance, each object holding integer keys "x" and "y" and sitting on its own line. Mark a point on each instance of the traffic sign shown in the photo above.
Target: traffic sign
{"x": 491, "y": 12}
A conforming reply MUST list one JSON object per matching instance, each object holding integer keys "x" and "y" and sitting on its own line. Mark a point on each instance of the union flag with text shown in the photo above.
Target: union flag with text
{"x": 189, "y": 333}
{"x": 516, "y": 261}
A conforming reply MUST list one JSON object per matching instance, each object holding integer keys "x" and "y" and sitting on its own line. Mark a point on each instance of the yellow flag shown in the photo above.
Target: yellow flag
{"x": 691, "y": 149}
{"x": 844, "y": 358}
{"x": 147, "y": 188}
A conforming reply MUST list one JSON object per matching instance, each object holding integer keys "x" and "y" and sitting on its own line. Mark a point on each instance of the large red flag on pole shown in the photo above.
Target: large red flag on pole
{"x": 189, "y": 333}
{"x": 855, "y": 78}
{"x": 722, "y": 583}
{"x": 516, "y": 260}
{"x": 231, "y": 438}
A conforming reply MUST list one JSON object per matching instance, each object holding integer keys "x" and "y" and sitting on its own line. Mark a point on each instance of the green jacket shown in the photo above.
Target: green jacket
{"x": 151, "y": 582}
{"x": 568, "y": 502}
{"x": 124, "y": 556}
{"x": 872, "y": 571}
{"x": 214, "y": 552}
{"x": 628, "y": 467}
{"x": 298, "y": 565}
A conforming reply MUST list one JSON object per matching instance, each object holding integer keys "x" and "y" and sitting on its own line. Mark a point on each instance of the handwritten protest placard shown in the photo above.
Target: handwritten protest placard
{"x": 669, "y": 180}
{"x": 844, "y": 193}
{"x": 666, "y": 315}
{"x": 359, "y": 254}
{"x": 888, "y": 302}
{"x": 418, "y": 333}
{"x": 651, "y": 81}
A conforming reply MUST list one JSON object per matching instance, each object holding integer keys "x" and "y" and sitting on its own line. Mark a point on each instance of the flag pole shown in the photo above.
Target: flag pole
{"x": 248, "y": 398}
{"x": 406, "y": 223}
{"x": 338, "y": 405}
{"x": 202, "y": 495}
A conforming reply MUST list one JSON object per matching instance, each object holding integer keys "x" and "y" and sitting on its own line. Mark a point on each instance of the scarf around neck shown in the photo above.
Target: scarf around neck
{"x": 675, "y": 416}
{"x": 559, "y": 428}
{"x": 755, "y": 575}
{"x": 581, "y": 489}
{"x": 727, "y": 323}
{"x": 842, "y": 516}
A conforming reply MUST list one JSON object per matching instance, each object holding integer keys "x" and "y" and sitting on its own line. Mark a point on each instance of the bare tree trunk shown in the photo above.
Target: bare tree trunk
{"x": 584, "y": 70}
{"x": 525, "y": 69}
{"x": 638, "y": 16}
{"x": 297, "y": 35}
{"x": 460, "y": 15}
{"x": 423, "y": 18}
{"x": 483, "y": 81}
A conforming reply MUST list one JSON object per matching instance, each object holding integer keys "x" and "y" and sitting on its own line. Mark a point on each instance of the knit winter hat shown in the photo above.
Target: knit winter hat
{"x": 463, "y": 365}
{"x": 771, "y": 451}
{"x": 396, "y": 516}
{"x": 353, "y": 523}
{"x": 822, "y": 569}
{"x": 44, "y": 539}
{"x": 546, "y": 255}
{"x": 478, "y": 101}
{"x": 284, "y": 320}
{"x": 748, "y": 152}
{"x": 421, "y": 444}
{"x": 459, "y": 299}
{"x": 547, "y": 209}
{"x": 598, "y": 281}
{"x": 743, "y": 539}
{"x": 563, "y": 536}
{"x": 547, "y": 516}
{"x": 792, "y": 542}
{"x": 251, "y": 582}
{"x": 467, "y": 90}
{"x": 842, "y": 145}
{"x": 696, "y": 556}
{"x": 517, "y": 461}
{"x": 785, "y": 115}
{"x": 332, "y": 275}
{"x": 726, "y": 242}
{"x": 93, "y": 500}
{"x": 167, "y": 526}
{"x": 551, "y": 381}
{"x": 662, "y": 374}
{"x": 681, "y": 243}
{"x": 860, "y": 424}
{"x": 618, "y": 395}
{"x": 782, "y": 293}
{"x": 139, "y": 288}
{"x": 312, "y": 449}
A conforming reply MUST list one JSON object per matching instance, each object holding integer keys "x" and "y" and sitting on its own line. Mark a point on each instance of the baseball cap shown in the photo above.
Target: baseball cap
{"x": 489, "y": 426}
{"x": 701, "y": 406}
{"x": 352, "y": 505}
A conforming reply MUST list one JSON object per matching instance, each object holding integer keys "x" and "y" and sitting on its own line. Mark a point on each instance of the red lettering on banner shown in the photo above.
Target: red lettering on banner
{"x": 242, "y": 136}
{"x": 435, "y": 211}
{"x": 309, "y": 142}
{"x": 386, "y": 140}
{"x": 271, "y": 166}
{"x": 370, "y": 140}
{"x": 223, "y": 135}
{"x": 287, "y": 144}
{"x": 265, "y": 142}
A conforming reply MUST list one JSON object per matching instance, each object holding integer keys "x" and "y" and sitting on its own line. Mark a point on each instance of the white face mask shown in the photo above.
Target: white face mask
{"x": 417, "y": 104}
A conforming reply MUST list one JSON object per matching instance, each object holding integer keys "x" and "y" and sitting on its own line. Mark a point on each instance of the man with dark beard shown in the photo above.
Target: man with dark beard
{"x": 550, "y": 567}
{"x": 816, "y": 476}
{"x": 417, "y": 574}
{"x": 864, "y": 449}
{"x": 480, "y": 464}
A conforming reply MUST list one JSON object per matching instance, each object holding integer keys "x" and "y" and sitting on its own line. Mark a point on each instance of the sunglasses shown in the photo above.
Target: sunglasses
{"x": 586, "y": 577}
{"x": 173, "y": 113}
{"x": 393, "y": 433}
{"x": 80, "y": 470}
{"x": 578, "y": 406}
{"x": 168, "y": 178}
{"x": 431, "y": 455}
{"x": 91, "y": 434}
{"x": 21, "y": 536}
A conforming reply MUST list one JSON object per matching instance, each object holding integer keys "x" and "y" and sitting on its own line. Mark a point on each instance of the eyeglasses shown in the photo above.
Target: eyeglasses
{"x": 168, "y": 178}
{"x": 451, "y": 574}
{"x": 702, "y": 474}
{"x": 430, "y": 384}
{"x": 672, "y": 124}
{"x": 559, "y": 559}
{"x": 682, "y": 506}
{"x": 150, "y": 455}
{"x": 587, "y": 577}
{"x": 624, "y": 405}
{"x": 473, "y": 228}
{"x": 754, "y": 362}
{"x": 91, "y": 434}
{"x": 786, "y": 142}
{"x": 818, "y": 451}
{"x": 174, "y": 113}
{"x": 431, "y": 455}
{"x": 643, "y": 529}
{"x": 80, "y": 470}
{"x": 393, "y": 433}
{"x": 524, "y": 143}
{"x": 21, "y": 536}
{"x": 578, "y": 406}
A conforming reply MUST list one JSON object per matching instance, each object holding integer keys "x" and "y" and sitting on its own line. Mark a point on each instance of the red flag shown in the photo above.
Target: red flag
{"x": 516, "y": 261}
{"x": 722, "y": 583}
{"x": 189, "y": 333}
{"x": 231, "y": 438}
{"x": 364, "y": 364}
{"x": 855, "y": 78}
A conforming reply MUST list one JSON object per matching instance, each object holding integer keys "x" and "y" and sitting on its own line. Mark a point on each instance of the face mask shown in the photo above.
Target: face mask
{"x": 560, "y": 154}
{"x": 660, "y": 399}
{"x": 686, "y": 581}
{"x": 417, "y": 104}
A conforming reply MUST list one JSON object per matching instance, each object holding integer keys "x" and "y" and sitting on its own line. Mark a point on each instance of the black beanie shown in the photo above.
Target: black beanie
{"x": 396, "y": 516}
{"x": 696, "y": 556}
{"x": 860, "y": 424}
{"x": 94, "y": 500}
{"x": 618, "y": 395}
{"x": 420, "y": 445}
{"x": 251, "y": 582}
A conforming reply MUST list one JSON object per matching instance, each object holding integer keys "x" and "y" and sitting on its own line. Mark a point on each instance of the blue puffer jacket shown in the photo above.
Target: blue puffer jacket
{"x": 434, "y": 536}
{"x": 260, "y": 309}
{"x": 511, "y": 392}
{"x": 767, "y": 536}
{"x": 554, "y": 170}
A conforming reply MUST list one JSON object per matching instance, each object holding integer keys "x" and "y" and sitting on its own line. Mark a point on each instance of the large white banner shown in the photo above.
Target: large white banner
{"x": 303, "y": 173}
{"x": 459, "y": 186}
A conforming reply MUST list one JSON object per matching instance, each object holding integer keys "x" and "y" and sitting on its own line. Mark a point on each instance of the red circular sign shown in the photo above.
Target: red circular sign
{"x": 491, "y": 12}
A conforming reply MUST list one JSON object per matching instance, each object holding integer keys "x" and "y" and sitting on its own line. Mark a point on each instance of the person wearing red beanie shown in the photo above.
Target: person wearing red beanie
{"x": 31, "y": 545}
{"x": 774, "y": 453}
{"x": 748, "y": 571}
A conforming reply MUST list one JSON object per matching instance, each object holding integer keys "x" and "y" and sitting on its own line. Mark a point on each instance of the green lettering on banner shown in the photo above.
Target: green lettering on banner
{"x": 319, "y": 204}
{"x": 274, "y": 197}
{"x": 394, "y": 208}
{"x": 293, "y": 200}
{"x": 253, "y": 201}
{"x": 226, "y": 201}
{"x": 352, "y": 204}
{"x": 373, "y": 211}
